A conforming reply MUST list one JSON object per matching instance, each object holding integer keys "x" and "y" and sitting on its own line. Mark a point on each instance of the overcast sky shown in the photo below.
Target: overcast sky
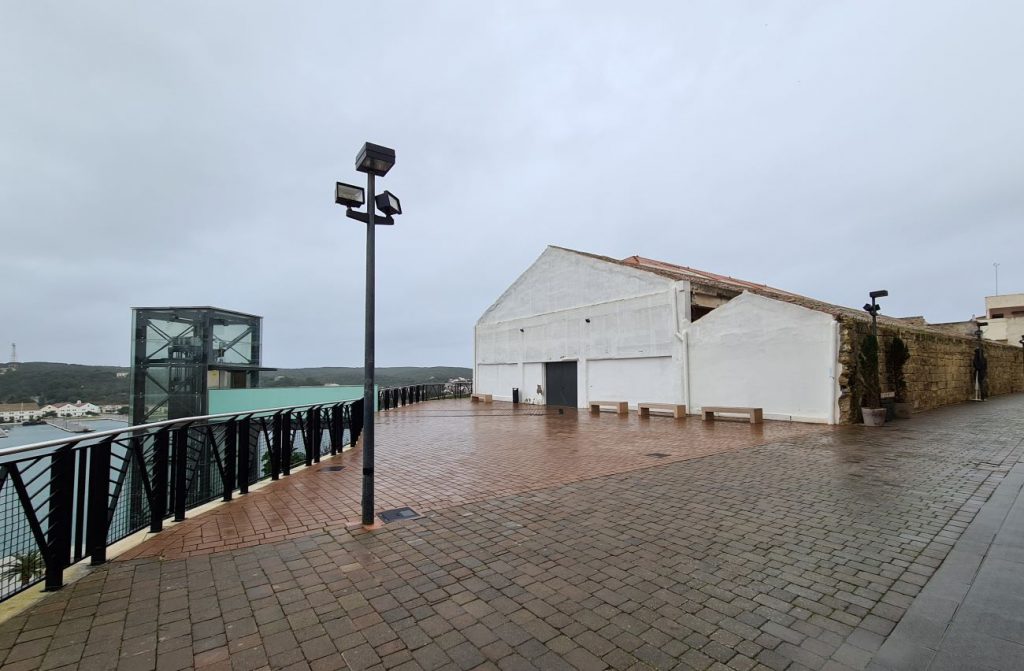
{"x": 185, "y": 153}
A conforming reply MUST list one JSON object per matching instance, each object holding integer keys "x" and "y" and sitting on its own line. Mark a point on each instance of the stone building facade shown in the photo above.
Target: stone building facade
{"x": 940, "y": 370}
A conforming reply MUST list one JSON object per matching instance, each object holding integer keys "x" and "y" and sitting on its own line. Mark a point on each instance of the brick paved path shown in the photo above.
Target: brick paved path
{"x": 445, "y": 453}
{"x": 800, "y": 553}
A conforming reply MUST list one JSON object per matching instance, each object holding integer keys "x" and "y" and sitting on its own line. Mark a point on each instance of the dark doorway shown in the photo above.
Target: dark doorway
{"x": 561, "y": 383}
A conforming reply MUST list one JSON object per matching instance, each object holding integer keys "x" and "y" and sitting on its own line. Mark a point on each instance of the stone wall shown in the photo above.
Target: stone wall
{"x": 939, "y": 371}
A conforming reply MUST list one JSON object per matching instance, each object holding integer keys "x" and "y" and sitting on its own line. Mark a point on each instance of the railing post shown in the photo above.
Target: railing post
{"x": 244, "y": 442}
{"x": 337, "y": 428}
{"x": 307, "y": 437}
{"x": 58, "y": 535}
{"x": 275, "y": 448}
{"x": 230, "y": 440}
{"x": 161, "y": 454}
{"x": 287, "y": 441}
{"x": 180, "y": 471}
{"x": 81, "y": 485}
{"x": 355, "y": 420}
{"x": 99, "y": 502}
{"x": 318, "y": 433}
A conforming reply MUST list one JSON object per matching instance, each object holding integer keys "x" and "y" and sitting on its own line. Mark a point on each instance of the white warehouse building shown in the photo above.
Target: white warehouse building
{"x": 576, "y": 327}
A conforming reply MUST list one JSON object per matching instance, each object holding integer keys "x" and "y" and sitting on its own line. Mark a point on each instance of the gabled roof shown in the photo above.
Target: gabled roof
{"x": 18, "y": 407}
{"x": 707, "y": 281}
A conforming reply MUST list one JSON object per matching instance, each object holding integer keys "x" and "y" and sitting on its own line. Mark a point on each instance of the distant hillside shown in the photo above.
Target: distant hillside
{"x": 53, "y": 382}
{"x": 386, "y": 377}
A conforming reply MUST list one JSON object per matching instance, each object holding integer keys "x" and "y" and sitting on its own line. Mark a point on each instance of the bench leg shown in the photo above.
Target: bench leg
{"x": 623, "y": 409}
{"x": 643, "y": 412}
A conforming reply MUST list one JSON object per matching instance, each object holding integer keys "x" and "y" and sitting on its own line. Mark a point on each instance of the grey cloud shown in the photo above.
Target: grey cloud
{"x": 163, "y": 153}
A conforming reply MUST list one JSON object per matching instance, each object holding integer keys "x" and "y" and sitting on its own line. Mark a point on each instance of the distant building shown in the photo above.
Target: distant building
{"x": 19, "y": 412}
{"x": 1005, "y": 315}
{"x": 76, "y": 409}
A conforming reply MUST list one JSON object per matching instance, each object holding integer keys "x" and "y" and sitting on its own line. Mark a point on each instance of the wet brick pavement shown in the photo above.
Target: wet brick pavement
{"x": 800, "y": 553}
{"x": 443, "y": 453}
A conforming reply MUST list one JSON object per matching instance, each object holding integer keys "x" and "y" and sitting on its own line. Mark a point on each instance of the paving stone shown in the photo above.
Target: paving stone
{"x": 743, "y": 549}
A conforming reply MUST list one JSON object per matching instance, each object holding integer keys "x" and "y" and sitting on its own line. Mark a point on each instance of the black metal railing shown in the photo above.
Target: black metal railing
{"x": 396, "y": 397}
{"x": 64, "y": 500}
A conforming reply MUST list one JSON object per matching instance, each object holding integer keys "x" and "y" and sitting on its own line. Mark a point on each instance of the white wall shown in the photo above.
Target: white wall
{"x": 759, "y": 352}
{"x": 651, "y": 379}
{"x": 497, "y": 379}
{"x": 633, "y": 315}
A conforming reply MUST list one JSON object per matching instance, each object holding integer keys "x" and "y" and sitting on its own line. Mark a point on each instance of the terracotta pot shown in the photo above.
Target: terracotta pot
{"x": 873, "y": 416}
{"x": 903, "y": 410}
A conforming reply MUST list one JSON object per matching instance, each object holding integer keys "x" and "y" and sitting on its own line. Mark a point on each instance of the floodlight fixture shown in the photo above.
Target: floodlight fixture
{"x": 388, "y": 203}
{"x": 349, "y": 195}
{"x": 375, "y": 159}
{"x": 881, "y": 293}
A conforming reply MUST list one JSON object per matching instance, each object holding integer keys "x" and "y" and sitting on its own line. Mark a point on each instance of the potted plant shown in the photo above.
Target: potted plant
{"x": 871, "y": 390}
{"x": 897, "y": 355}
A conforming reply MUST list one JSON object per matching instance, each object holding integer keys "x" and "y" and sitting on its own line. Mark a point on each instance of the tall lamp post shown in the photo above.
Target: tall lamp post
{"x": 872, "y": 308}
{"x": 375, "y": 161}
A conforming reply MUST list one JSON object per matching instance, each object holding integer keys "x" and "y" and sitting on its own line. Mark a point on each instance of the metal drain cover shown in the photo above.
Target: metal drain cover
{"x": 398, "y": 514}
{"x": 333, "y": 468}
{"x": 659, "y": 455}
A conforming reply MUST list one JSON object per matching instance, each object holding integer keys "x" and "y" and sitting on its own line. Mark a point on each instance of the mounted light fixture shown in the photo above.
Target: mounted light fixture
{"x": 388, "y": 203}
{"x": 375, "y": 159}
{"x": 349, "y": 195}
{"x": 873, "y": 308}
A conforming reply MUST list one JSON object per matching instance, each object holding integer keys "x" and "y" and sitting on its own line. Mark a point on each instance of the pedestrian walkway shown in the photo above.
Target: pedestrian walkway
{"x": 782, "y": 551}
{"x": 970, "y": 615}
{"x": 443, "y": 453}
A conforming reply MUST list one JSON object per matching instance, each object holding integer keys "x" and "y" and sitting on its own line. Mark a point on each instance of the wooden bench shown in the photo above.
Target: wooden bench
{"x": 477, "y": 398}
{"x": 678, "y": 410}
{"x": 621, "y": 407}
{"x": 755, "y": 414}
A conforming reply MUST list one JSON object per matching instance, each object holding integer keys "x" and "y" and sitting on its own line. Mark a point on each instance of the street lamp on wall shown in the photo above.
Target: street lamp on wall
{"x": 872, "y": 309}
{"x": 375, "y": 161}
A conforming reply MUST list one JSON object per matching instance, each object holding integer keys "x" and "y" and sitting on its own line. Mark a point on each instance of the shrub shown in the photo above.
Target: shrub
{"x": 897, "y": 355}
{"x": 867, "y": 372}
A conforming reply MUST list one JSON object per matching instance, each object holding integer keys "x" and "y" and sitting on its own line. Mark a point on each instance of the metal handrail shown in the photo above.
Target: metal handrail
{"x": 67, "y": 499}
{"x": 18, "y": 449}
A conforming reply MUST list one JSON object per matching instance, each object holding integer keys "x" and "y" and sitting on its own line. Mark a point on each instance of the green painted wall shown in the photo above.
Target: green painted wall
{"x": 242, "y": 400}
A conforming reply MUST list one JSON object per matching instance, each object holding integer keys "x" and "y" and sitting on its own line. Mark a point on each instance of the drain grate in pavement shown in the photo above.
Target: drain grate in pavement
{"x": 659, "y": 455}
{"x": 333, "y": 468}
{"x": 398, "y": 514}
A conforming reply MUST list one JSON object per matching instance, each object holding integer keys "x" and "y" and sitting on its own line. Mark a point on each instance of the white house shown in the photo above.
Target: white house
{"x": 1004, "y": 318}
{"x": 76, "y": 409}
{"x": 19, "y": 412}
{"x": 576, "y": 327}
